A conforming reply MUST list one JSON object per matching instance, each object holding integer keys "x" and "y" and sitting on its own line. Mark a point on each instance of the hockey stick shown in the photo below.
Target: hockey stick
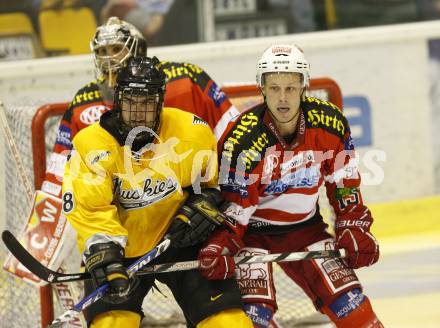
{"x": 246, "y": 260}
{"x": 32, "y": 264}
{"x": 48, "y": 275}
{"x": 99, "y": 293}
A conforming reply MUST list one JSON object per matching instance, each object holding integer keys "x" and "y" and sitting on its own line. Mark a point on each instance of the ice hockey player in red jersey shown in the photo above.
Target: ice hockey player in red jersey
{"x": 274, "y": 158}
{"x": 188, "y": 88}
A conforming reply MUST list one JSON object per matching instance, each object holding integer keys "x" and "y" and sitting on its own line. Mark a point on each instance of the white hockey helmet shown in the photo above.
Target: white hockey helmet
{"x": 283, "y": 58}
{"x": 116, "y": 32}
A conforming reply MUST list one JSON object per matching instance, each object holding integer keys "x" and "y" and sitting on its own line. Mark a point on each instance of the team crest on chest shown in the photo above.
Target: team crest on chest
{"x": 153, "y": 191}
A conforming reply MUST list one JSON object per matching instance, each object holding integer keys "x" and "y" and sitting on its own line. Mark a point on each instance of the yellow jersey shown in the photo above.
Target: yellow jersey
{"x": 110, "y": 191}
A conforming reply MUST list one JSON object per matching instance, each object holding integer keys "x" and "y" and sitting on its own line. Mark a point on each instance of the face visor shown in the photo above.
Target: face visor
{"x": 140, "y": 108}
{"x": 111, "y": 49}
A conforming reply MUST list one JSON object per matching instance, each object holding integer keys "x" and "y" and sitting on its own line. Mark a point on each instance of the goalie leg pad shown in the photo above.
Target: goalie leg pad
{"x": 227, "y": 319}
{"x": 260, "y": 314}
{"x": 116, "y": 319}
{"x": 352, "y": 309}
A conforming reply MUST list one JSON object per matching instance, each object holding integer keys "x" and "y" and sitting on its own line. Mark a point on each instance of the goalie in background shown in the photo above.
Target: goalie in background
{"x": 188, "y": 87}
{"x": 126, "y": 180}
{"x": 275, "y": 157}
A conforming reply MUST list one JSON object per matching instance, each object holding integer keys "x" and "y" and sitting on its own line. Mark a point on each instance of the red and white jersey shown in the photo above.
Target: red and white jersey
{"x": 188, "y": 87}
{"x": 273, "y": 184}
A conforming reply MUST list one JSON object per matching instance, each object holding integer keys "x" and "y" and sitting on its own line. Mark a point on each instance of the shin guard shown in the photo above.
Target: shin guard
{"x": 352, "y": 309}
{"x": 261, "y": 314}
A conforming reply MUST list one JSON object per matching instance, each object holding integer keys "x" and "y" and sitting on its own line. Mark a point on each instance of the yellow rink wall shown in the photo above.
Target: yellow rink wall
{"x": 408, "y": 217}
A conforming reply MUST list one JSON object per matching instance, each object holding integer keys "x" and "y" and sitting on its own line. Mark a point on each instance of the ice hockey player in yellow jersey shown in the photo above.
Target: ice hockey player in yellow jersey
{"x": 126, "y": 180}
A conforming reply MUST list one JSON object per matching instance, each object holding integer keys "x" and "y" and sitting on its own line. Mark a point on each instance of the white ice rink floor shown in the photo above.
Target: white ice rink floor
{"x": 404, "y": 285}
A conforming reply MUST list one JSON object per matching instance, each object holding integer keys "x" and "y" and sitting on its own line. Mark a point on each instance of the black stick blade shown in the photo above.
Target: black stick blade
{"x": 22, "y": 255}
{"x": 32, "y": 264}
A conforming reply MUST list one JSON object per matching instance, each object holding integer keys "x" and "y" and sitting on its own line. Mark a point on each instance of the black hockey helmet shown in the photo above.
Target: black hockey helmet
{"x": 139, "y": 94}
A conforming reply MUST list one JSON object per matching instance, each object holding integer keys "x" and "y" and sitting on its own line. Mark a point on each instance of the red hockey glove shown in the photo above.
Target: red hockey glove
{"x": 362, "y": 248}
{"x": 216, "y": 257}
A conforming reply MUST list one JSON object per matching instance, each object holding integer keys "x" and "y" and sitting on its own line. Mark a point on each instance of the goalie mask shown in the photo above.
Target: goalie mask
{"x": 113, "y": 44}
{"x": 139, "y": 96}
{"x": 283, "y": 58}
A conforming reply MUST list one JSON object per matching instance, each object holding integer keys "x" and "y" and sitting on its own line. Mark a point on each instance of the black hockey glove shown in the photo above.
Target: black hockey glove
{"x": 104, "y": 262}
{"x": 197, "y": 218}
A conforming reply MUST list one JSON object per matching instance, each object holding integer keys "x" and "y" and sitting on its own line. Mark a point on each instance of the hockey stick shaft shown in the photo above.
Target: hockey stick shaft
{"x": 98, "y": 293}
{"x": 48, "y": 275}
{"x": 243, "y": 260}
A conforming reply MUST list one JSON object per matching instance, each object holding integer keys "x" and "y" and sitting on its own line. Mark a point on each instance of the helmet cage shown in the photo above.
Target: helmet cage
{"x": 139, "y": 106}
{"x": 139, "y": 95}
{"x": 112, "y": 62}
{"x": 283, "y": 59}
{"x": 116, "y": 33}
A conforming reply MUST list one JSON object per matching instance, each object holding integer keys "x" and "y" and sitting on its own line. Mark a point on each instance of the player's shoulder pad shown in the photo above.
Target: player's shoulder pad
{"x": 180, "y": 70}
{"x": 93, "y": 137}
{"x": 247, "y": 138}
{"x": 324, "y": 115}
{"x": 88, "y": 93}
{"x": 94, "y": 144}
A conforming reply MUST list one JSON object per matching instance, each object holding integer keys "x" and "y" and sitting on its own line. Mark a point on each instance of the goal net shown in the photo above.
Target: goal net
{"x": 34, "y": 128}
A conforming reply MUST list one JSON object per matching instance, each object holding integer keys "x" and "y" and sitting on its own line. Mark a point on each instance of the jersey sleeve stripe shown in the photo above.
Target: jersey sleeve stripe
{"x": 349, "y": 171}
{"x": 224, "y": 120}
{"x": 290, "y": 203}
{"x": 278, "y": 217}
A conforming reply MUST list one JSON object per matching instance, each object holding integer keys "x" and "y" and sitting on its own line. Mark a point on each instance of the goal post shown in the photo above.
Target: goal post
{"x": 38, "y": 134}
